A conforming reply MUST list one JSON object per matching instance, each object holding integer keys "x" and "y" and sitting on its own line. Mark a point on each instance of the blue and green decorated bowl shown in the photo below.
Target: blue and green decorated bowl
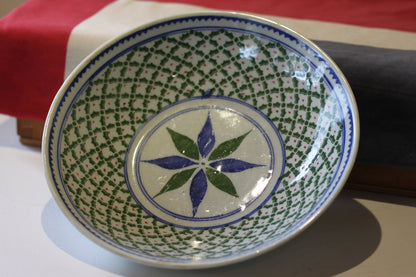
{"x": 200, "y": 140}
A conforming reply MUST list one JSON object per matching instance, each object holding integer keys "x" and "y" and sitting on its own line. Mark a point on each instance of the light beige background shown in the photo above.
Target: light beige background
{"x": 7, "y": 5}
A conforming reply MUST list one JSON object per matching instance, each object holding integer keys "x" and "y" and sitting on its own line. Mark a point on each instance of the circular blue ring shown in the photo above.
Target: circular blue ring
{"x": 217, "y": 217}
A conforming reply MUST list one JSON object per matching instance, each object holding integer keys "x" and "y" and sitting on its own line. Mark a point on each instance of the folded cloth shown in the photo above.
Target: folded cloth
{"x": 33, "y": 43}
{"x": 388, "y": 14}
{"x": 384, "y": 84}
{"x": 373, "y": 42}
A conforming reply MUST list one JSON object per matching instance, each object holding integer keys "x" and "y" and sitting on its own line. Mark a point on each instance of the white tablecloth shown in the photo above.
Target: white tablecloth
{"x": 361, "y": 234}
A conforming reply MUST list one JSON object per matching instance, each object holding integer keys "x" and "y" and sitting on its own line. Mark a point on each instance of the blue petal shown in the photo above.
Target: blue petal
{"x": 172, "y": 162}
{"x": 207, "y": 93}
{"x": 232, "y": 165}
{"x": 198, "y": 190}
{"x": 206, "y": 138}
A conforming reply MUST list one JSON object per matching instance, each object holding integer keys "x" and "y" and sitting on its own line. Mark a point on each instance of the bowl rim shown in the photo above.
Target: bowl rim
{"x": 261, "y": 249}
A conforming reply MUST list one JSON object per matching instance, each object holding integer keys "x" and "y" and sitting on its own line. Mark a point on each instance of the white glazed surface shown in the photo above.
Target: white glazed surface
{"x": 129, "y": 80}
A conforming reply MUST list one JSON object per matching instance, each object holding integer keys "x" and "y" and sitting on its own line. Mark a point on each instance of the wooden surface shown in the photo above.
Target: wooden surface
{"x": 366, "y": 177}
{"x": 381, "y": 178}
{"x": 30, "y": 131}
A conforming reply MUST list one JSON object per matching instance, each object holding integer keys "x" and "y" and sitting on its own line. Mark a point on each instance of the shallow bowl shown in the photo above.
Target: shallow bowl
{"x": 200, "y": 140}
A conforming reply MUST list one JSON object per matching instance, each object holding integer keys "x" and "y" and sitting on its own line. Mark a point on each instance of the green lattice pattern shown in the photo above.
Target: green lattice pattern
{"x": 138, "y": 84}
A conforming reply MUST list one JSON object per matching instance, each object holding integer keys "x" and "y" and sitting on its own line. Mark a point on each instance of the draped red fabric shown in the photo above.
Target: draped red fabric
{"x": 33, "y": 40}
{"x": 389, "y": 14}
{"x": 34, "y": 37}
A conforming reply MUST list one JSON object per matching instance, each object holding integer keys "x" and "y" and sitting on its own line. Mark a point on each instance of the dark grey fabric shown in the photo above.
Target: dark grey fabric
{"x": 384, "y": 85}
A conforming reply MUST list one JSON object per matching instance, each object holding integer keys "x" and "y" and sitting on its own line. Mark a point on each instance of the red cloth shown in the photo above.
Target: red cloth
{"x": 389, "y": 14}
{"x": 37, "y": 33}
{"x": 33, "y": 38}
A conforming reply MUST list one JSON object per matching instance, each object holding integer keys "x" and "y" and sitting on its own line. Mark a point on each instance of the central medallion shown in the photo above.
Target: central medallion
{"x": 205, "y": 162}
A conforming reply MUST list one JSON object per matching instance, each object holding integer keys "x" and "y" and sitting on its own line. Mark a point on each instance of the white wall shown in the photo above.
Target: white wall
{"x": 7, "y": 5}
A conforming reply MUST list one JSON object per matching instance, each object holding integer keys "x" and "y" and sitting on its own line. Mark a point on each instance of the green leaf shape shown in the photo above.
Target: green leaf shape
{"x": 176, "y": 181}
{"x": 184, "y": 144}
{"x": 221, "y": 181}
{"x": 227, "y": 148}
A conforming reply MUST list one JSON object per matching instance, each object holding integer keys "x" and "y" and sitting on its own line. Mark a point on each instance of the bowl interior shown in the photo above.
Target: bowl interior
{"x": 294, "y": 128}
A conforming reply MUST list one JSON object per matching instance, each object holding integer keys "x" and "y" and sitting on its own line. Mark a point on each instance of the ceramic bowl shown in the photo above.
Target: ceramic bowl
{"x": 200, "y": 140}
